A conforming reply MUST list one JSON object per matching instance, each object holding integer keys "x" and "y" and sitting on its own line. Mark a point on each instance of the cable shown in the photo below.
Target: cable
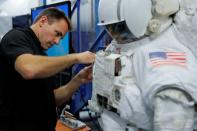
{"x": 90, "y": 115}
{"x": 94, "y": 122}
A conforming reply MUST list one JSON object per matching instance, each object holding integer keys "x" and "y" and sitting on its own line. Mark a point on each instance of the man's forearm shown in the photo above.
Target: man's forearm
{"x": 65, "y": 92}
{"x": 34, "y": 66}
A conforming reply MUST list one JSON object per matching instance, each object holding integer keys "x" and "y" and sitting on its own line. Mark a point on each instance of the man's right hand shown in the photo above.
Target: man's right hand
{"x": 86, "y": 57}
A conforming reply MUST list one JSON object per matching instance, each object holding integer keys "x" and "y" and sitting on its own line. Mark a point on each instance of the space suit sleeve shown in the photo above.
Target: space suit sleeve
{"x": 156, "y": 70}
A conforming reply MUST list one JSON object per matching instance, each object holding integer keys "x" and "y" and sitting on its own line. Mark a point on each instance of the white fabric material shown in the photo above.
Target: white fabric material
{"x": 175, "y": 69}
{"x": 130, "y": 106}
{"x": 111, "y": 120}
{"x": 114, "y": 122}
{"x": 165, "y": 7}
{"x": 173, "y": 111}
{"x": 140, "y": 81}
{"x": 186, "y": 24}
{"x": 158, "y": 78}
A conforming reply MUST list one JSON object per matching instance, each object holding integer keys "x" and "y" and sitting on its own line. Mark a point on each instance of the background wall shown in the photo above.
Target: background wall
{"x": 5, "y": 25}
{"x": 11, "y": 8}
{"x": 86, "y": 14}
{"x": 17, "y": 7}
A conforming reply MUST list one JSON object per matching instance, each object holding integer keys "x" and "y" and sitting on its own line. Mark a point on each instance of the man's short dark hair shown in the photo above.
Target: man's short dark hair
{"x": 54, "y": 14}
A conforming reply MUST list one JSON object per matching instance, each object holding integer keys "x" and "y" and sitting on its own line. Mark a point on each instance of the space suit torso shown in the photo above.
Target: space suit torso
{"x": 147, "y": 67}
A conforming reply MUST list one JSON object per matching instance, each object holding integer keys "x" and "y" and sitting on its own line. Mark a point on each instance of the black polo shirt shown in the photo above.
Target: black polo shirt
{"x": 25, "y": 105}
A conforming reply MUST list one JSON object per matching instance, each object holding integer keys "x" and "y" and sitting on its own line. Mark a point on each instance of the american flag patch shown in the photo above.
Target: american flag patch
{"x": 168, "y": 58}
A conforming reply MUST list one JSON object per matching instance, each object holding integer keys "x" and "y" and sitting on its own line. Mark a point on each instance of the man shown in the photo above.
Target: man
{"x": 146, "y": 78}
{"x": 26, "y": 103}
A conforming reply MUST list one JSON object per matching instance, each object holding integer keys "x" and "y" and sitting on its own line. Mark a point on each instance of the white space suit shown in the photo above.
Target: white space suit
{"x": 146, "y": 78}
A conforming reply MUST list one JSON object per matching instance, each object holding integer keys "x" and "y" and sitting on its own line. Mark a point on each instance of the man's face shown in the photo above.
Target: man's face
{"x": 51, "y": 33}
